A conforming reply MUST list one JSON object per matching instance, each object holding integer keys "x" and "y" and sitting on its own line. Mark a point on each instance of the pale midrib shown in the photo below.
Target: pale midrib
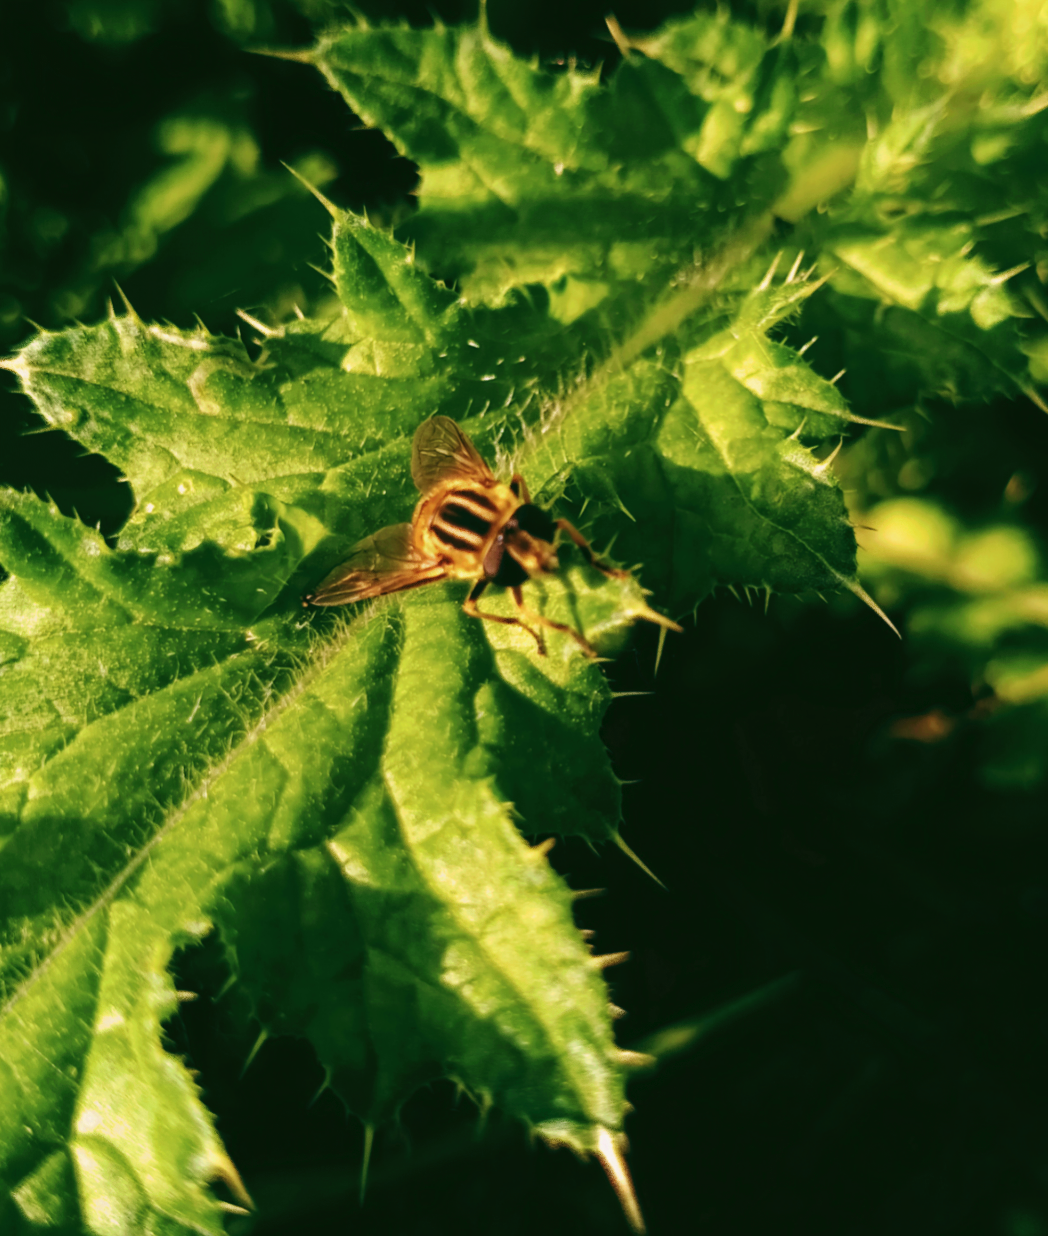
{"x": 693, "y": 288}
{"x": 694, "y": 285}
{"x": 327, "y": 652}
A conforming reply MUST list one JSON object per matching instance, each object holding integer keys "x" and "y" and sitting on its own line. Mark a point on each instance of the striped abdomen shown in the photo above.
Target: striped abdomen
{"x": 466, "y": 519}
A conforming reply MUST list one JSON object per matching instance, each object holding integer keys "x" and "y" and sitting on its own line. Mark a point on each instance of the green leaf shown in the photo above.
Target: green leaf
{"x": 591, "y": 183}
{"x": 165, "y": 765}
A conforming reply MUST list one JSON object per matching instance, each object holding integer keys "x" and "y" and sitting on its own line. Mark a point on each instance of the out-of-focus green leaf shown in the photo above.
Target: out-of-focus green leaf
{"x": 976, "y": 602}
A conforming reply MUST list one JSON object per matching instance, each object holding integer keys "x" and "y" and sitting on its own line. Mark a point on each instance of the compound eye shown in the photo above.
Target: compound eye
{"x": 493, "y": 558}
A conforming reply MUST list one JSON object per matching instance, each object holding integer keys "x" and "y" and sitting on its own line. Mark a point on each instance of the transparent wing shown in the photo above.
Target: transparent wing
{"x": 383, "y": 563}
{"x": 441, "y": 452}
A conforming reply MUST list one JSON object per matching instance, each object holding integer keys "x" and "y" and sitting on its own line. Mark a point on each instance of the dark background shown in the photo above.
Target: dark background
{"x": 870, "y": 920}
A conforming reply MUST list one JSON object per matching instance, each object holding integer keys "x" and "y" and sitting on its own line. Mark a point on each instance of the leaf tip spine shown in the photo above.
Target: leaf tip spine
{"x": 365, "y": 1162}
{"x": 610, "y": 1155}
{"x": 300, "y": 56}
{"x": 617, "y": 838}
{"x": 858, "y": 590}
{"x": 326, "y": 202}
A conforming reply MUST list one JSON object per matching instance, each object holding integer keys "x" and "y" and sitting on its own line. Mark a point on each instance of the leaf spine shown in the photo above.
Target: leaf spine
{"x": 826, "y": 463}
{"x": 305, "y": 56}
{"x": 635, "y": 1059}
{"x": 617, "y": 838}
{"x": 365, "y": 1162}
{"x": 858, "y": 590}
{"x": 261, "y": 327}
{"x": 1034, "y": 397}
{"x": 328, "y": 205}
{"x": 127, "y": 305}
{"x": 603, "y": 961}
{"x": 765, "y": 283}
{"x": 1005, "y": 275}
{"x": 621, "y": 39}
{"x": 609, "y": 1152}
{"x": 658, "y": 650}
{"x": 223, "y": 1168}
{"x": 262, "y": 1036}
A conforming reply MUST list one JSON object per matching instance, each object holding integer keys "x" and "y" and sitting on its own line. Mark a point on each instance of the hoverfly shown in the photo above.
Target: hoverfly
{"x": 467, "y": 525}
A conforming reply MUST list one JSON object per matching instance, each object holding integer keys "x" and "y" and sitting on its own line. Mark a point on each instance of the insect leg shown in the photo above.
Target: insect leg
{"x": 587, "y": 549}
{"x": 470, "y": 606}
{"x": 543, "y": 621}
{"x": 519, "y": 486}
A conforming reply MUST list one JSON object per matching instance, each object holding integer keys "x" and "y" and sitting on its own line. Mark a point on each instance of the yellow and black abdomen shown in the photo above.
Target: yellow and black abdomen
{"x": 466, "y": 520}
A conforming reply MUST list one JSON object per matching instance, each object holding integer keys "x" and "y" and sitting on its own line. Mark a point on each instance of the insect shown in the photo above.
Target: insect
{"x": 467, "y": 525}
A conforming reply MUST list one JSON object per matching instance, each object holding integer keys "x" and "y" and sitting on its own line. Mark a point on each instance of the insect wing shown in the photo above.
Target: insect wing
{"x": 383, "y": 563}
{"x": 442, "y": 452}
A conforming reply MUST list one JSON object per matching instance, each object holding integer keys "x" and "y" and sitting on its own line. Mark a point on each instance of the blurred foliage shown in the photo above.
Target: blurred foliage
{"x": 852, "y": 831}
